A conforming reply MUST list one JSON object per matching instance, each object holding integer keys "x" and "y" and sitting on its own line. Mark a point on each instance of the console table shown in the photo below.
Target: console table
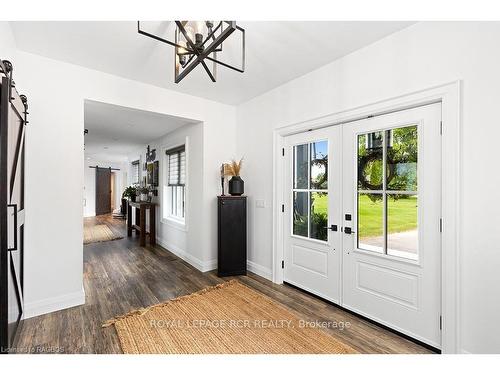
{"x": 140, "y": 221}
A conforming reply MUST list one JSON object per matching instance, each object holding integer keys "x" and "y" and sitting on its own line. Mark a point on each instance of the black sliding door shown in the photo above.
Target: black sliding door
{"x": 12, "y": 211}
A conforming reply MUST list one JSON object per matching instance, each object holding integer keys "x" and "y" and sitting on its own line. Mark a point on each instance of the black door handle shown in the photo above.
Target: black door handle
{"x": 332, "y": 227}
{"x": 15, "y": 227}
{"x": 348, "y": 230}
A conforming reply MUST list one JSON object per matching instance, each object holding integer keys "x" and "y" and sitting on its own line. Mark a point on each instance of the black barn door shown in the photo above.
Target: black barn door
{"x": 102, "y": 191}
{"x": 12, "y": 135}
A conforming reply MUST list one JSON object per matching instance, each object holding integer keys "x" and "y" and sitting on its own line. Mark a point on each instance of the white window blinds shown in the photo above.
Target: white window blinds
{"x": 177, "y": 166}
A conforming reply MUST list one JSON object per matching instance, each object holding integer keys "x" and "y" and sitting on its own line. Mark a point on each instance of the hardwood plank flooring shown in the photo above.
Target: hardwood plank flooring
{"x": 120, "y": 276}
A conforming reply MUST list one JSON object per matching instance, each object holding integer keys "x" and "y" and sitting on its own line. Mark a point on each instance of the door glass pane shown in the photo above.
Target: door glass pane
{"x": 370, "y": 222}
{"x": 300, "y": 213}
{"x": 319, "y": 165}
{"x": 370, "y": 154}
{"x": 300, "y": 166}
{"x": 402, "y": 225}
{"x": 319, "y": 216}
{"x": 402, "y": 155}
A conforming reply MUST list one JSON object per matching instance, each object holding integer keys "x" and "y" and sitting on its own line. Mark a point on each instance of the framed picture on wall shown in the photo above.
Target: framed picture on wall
{"x": 150, "y": 170}
{"x": 153, "y": 170}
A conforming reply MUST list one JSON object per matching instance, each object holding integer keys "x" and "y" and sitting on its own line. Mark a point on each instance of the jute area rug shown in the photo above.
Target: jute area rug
{"x": 98, "y": 233}
{"x": 228, "y": 318}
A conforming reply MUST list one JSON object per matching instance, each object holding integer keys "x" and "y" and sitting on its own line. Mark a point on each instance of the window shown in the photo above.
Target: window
{"x": 175, "y": 189}
{"x": 310, "y": 190}
{"x": 387, "y": 192}
{"x": 135, "y": 172}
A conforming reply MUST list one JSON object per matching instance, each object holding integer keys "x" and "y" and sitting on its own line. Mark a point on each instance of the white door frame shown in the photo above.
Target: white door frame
{"x": 449, "y": 96}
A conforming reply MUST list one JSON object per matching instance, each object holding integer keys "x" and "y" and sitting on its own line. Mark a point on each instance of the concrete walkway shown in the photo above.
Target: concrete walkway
{"x": 406, "y": 242}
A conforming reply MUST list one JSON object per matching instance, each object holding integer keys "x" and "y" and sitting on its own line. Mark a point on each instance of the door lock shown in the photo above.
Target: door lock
{"x": 332, "y": 227}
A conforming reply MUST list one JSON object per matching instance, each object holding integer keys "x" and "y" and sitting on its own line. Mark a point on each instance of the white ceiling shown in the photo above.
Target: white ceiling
{"x": 276, "y": 52}
{"x": 115, "y": 132}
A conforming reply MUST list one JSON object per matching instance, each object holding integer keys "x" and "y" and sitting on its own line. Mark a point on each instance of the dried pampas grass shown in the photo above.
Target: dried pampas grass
{"x": 233, "y": 168}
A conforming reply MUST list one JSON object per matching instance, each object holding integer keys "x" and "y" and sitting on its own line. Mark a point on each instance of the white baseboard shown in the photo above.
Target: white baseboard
{"x": 260, "y": 270}
{"x": 48, "y": 305}
{"x": 211, "y": 265}
{"x": 192, "y": 260}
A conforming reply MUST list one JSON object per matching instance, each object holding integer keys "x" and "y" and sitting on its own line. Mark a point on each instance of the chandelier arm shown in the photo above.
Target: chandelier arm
{"x": 212, "y": 34}
{"x": 160, "y": 39}
{"x": 191, "y": 57}
{"x": 208, "y": 71}
{"x": 218, "y": 41}
{"x": 240, "y": 70}
{"x": 225, "y": 64}
{"x": 243, "y": 47}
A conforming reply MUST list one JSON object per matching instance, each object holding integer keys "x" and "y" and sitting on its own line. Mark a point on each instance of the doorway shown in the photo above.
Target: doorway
{"x": 363, "y": 219}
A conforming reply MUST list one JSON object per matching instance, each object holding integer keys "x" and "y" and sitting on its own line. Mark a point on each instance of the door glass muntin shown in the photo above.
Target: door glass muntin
{"x": 387, "y": 181}
{"x": 310, "y": 190}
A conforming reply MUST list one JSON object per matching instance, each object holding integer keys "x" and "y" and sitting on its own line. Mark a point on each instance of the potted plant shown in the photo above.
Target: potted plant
{"x": 144, "y": 192}
{"x": 130, "y": 192}
{"x": 236, "y": 184}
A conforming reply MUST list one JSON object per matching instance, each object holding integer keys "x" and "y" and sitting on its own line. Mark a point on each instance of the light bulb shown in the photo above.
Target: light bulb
{"x": 182, "y": 49}
{"x": 199, "y": 27}
{"x": 189, "y": 32}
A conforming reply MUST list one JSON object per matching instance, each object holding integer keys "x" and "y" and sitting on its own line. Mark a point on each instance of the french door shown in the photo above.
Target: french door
{"x": 313, "y": 183}
{"x": 382, "y": 193}
{"x": 12, "y": 210}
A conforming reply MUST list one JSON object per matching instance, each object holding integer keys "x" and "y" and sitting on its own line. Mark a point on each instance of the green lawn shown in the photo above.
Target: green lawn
{"x": 320, "y": 203}
{"x": 402, "y": 214}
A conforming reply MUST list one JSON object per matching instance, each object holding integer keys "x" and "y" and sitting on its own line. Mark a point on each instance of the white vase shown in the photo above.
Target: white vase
{"x": 144, "y": 197}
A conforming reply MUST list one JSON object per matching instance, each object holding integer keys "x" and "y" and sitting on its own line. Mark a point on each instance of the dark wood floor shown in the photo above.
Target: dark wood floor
{"x": 120, "y": 276}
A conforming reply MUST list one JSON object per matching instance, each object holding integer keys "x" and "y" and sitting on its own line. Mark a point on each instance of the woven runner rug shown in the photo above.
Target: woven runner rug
{"x": 98, "y": 233}
{"x": 228, "y": 318}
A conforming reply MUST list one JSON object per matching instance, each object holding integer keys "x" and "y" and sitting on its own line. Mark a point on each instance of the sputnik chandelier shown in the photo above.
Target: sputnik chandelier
{"x": 200, "y": 43}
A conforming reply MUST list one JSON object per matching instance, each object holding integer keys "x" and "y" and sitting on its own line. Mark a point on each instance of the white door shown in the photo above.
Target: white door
{"x": 392, "y": 242}
{"x": 312, "y": 210}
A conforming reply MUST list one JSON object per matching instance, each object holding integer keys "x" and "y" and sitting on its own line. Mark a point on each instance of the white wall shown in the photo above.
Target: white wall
{"x": 8, "y": 49}
{"x": 422, "y": 56}
{"x": 89, "y": 184}
{"x": 54, "y": 167}
{"x": 184, "y": 241}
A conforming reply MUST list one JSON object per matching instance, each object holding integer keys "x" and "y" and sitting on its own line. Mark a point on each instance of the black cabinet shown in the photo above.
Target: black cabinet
{"x": 232, "y": 236}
